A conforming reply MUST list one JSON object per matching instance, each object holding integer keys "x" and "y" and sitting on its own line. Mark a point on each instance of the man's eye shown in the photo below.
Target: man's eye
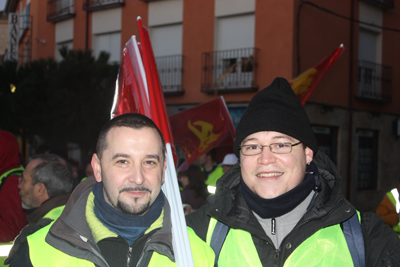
{"x": 280, "y": 145}
{"x": 150, "y": 162}
{"x": 252, "y": 147}
{"x": 122, "y": 161}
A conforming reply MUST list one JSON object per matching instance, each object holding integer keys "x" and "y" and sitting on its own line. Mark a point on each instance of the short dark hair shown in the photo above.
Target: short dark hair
{"x": 131, "y": 120}
{"x": 54, "y": 172}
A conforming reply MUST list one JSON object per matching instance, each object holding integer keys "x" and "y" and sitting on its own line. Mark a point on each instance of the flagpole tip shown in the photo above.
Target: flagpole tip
{"x": 341, "y": 45}
{"x": 138, "y": 18}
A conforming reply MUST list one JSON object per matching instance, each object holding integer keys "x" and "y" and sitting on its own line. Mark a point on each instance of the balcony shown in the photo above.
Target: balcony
{"x": 170, "y": 71}
{"x": 386, "y": 4}
{"x": 58, "y": 10}
{"x": 374, "y": 82}
{"x": 229, "y": 70}
{"x": 94, "y": 5}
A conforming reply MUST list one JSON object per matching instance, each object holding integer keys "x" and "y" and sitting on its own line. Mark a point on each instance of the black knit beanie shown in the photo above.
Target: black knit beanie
{"x": 276, "y": 108}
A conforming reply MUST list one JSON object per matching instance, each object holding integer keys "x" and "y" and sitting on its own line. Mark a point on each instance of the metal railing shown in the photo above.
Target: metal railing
{"x": 92, "y": 5}
{"x": 229, "y": 70}
{"x": 170, "y": 71}
{"x": 387, "y": 4}
{"x": 60, "y": 9}
{"x": 374, "y": 81}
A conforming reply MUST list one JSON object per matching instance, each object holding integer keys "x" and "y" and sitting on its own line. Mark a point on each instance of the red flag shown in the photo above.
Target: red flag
{"x": 156, "y": 95}
{"x": 199, "y": 129}
{"x": 130, "y": 95}
{"x": 305, "y": 83}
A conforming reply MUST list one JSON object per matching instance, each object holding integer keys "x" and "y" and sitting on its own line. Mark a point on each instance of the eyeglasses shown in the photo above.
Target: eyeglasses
{"x": 276, "y": 148}
{"x": 21, "y": 179}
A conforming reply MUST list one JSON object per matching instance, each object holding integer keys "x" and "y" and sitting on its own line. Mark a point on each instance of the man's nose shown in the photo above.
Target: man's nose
{"x": 266, "y": 156}
{"x": 137, "y": 176}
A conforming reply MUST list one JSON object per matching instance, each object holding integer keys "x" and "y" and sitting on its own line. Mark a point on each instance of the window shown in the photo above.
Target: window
{"x": 233, "y": 58}
{"x": 167, "y": 47}
{"x": 366, "y": 159}
{"x": 68, "y": 45}
{"x": 110, "y": 43}
{"x": 327, "y": 140}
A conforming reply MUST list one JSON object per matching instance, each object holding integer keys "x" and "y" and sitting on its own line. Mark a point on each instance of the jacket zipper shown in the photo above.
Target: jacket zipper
{"x": 276, "y": 257}
{"x": 128, "y": 260}
{"x": 273, "y": 226}
{"x": 143, "y": 252}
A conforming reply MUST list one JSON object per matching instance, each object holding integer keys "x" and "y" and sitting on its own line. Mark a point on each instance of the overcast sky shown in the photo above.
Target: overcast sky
{"x": 2, "y": 4}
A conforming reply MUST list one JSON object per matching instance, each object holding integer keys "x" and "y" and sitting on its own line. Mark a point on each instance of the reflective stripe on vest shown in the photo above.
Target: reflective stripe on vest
{"x": 54, "y": 213}
{"x": 43, "y": 254}
{"x": 393, "y": 196}
{"x": 18, "y": 171}
{"x": 326, "y": 247}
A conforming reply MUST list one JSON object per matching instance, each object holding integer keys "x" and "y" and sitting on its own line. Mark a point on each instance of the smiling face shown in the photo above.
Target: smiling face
{"x": 132, "y": 169}
{"x": 270, "y": 175}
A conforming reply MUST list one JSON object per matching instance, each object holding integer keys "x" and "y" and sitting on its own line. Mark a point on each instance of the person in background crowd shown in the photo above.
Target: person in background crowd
{"x": 282, "y": 204}
{"x": 389, "y": 209}
{"x": 45, "y": 187}
{"x": 223, "y": 167}
{"x": 42, "y": 149}
{"x": 12, "y": 216}
{"x": 194, "y": 191}
{"x": 207, "y": 162}
{"x": 75, "y": 172}
{"x": 119, "y": 217}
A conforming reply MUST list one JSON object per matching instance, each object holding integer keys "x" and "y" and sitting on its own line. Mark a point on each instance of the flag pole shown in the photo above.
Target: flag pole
{"x": 180, "y": 238}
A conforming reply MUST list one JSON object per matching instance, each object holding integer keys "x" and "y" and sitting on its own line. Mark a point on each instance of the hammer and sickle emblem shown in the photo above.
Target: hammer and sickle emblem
{"x": 206, "y": 135}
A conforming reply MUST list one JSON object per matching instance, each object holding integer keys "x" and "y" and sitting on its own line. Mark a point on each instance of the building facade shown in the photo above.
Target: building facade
{"x": 235, "y": 48}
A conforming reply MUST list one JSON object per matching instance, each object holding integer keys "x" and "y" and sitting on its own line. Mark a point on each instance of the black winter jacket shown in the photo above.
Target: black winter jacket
{"x": 382, "y": 245}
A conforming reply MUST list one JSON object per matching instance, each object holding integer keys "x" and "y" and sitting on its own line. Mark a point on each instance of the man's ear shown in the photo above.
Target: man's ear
{"x": 309, "y": 154}
{"x": 40, "y": 190}
{"x": 96, "y": 167}
{"x": 165, "y": 167}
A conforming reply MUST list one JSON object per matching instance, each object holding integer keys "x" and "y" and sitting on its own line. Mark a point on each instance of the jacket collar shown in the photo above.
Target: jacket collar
{"x": 72, "y": 227}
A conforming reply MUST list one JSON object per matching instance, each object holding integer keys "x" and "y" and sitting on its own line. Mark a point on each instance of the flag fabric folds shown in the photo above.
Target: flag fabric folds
{"x": 199, "y": 129}
{"x": 138, "y": 89}
{"x": 304, "y": 84}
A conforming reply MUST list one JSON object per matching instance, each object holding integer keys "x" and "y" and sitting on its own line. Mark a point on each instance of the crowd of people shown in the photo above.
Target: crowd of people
{"x": 277, "y": 200}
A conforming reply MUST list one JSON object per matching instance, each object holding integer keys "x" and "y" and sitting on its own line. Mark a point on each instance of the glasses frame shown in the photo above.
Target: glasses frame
{"x": 270, "y": 148}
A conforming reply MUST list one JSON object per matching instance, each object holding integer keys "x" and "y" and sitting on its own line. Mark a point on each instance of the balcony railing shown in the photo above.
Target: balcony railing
{"x": 229, "y": 70}
{"x": 93, "y": 5}
{"x": 170, "y": 71}
{"x": 60, "y": 9}
{"x": 374, "y": 82}
{"x": 387, "y": 4}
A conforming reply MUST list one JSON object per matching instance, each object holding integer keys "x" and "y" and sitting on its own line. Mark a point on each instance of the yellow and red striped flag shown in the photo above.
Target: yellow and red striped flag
{"x": 305, "y": 83}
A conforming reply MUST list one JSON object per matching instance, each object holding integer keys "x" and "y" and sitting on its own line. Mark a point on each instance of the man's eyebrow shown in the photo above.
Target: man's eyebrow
{"x": 249, "y": 139}
{"x": 120, "y": 155}
{"x": 157, "y": 157}
{"x": 283, "y": 136}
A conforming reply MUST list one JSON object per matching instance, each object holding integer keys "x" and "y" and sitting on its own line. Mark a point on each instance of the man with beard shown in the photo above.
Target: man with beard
{"x": 120, "y": 216}
{"x": 282, "y": 204}
{"x": 45, "y": 186}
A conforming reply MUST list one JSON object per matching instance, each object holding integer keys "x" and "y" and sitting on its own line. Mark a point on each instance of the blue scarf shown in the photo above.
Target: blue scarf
{"x": 129, "y": 227}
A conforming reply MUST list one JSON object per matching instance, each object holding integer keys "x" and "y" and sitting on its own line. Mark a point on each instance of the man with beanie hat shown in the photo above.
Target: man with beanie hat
{"x": 282, "y": 205}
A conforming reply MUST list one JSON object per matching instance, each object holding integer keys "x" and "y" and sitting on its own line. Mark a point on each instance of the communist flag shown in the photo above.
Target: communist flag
{"x": 305, "y": 83}
{"x": 199, "y": 129}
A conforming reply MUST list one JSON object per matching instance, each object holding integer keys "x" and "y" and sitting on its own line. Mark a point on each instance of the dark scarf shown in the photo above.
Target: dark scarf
{"x": 127, "y": 226}
{"x": 272, "y": 208}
